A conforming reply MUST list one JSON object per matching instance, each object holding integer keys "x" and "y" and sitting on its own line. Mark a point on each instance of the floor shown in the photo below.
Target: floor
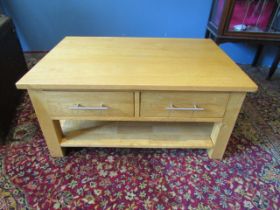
{"x": 247, "y": 178}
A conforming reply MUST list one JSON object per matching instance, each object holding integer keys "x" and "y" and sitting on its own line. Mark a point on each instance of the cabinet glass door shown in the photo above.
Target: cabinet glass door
{"x": 217, "y": 10}
{"x": 258, "y": 16}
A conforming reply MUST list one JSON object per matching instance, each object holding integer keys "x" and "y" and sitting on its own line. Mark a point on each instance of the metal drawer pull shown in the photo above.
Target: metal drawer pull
{"x": 80, "y": 107}
{"x": 194, "y": 108}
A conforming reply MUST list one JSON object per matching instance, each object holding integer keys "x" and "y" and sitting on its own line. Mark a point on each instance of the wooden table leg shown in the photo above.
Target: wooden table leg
{"x": 257, "y": 55}
{"x": 274, "y": 64}
{"x": 51, "y": 128}
{"x": 222, "y": 131}
{"x": 207, "y": 34}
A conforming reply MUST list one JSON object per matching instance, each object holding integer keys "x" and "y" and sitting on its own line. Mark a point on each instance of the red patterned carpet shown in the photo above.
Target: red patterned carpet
{"x": 247, "y": 178}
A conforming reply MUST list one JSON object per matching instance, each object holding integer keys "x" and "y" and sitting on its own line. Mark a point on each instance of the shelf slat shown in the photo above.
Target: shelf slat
{"x": 136, "y": 134}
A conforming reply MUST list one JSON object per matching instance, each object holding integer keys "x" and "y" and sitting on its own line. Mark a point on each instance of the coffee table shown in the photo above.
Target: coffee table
{"x": 137, "y": 93}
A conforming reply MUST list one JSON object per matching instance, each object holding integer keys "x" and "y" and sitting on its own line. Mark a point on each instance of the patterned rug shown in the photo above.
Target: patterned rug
{"x": 247, "y": 178}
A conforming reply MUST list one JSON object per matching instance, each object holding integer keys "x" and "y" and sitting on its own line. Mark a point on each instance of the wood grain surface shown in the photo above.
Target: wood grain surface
{"x": 137, "y": 64}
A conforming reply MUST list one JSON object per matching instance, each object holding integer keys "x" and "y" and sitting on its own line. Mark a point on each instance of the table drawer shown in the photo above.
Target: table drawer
{"x": 95, "y": 104}
{"x": 183, "y": 104}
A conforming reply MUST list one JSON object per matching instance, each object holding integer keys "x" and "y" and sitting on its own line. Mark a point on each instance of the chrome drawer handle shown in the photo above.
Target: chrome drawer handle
{"x": 194, "y": 108}
{"x": 80, "y": 107}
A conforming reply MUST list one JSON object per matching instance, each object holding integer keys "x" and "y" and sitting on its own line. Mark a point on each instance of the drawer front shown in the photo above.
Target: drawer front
{"x": 183, "y": 104}
{"x": 90, "y": 104}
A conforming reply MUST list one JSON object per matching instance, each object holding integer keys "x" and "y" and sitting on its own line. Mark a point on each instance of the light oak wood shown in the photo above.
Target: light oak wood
{"x": 50, "y": 128}
{"x": 137, "y": 79}
{"x": 141, "y": 119}
{"x": 154, "y": 104}
{"x": 137, "y": 103}
{"x": 222, "y": 131}
{"x": 99, "y": 63}
{"x": 136, "y": 134}
{"x": 58, "y": 103}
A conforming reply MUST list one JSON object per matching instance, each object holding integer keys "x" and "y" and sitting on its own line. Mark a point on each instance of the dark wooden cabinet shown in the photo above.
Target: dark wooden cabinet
{"x": 251, "y": 21}
{"x": 12, "y": 67}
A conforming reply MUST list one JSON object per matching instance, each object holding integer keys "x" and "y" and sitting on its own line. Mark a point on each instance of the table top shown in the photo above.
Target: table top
{"x": 113, "y": 63}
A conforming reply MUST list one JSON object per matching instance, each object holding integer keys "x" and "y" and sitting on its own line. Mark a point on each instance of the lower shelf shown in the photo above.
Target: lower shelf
{"x": 136, "y": 134}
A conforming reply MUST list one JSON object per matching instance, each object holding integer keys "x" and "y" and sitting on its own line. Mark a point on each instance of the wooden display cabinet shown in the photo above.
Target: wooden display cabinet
{"x": 253, "y": 21}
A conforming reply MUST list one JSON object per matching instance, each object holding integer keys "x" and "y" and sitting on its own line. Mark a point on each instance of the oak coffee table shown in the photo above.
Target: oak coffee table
{"x": 137, "y": 93}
